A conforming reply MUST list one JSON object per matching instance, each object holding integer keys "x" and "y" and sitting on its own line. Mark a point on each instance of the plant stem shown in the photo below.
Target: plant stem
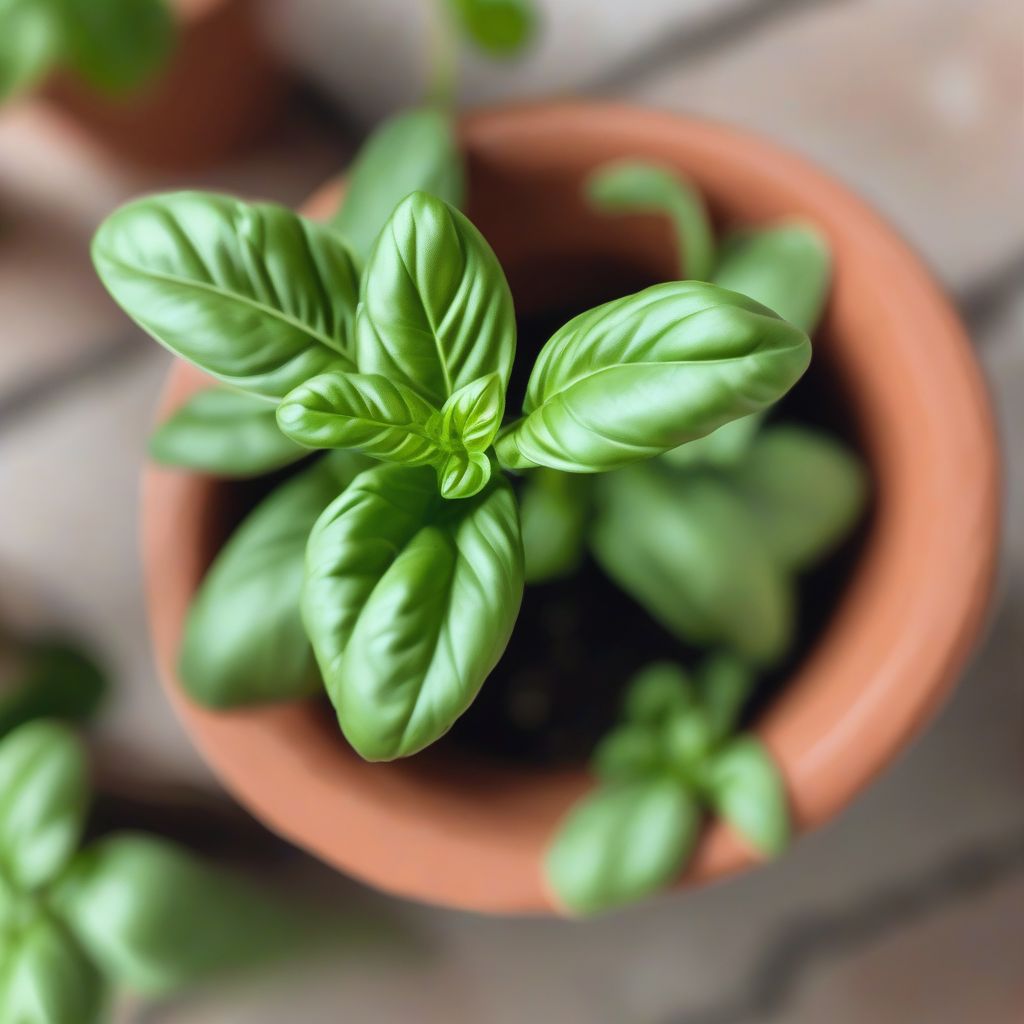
{"x": 443, "y": 56}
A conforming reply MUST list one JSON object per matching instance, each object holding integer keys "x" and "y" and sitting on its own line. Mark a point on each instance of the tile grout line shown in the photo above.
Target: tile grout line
{"x": 823, "y": 937}
{"x": 696, "y": 42}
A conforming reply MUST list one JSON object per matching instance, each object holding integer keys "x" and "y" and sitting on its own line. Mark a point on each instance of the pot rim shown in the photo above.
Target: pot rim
{"x": 892, "y": 651}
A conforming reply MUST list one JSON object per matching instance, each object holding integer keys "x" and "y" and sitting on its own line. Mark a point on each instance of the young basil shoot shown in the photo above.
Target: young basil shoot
{"x": 128, "y": 910}
{"x": 675, "y": 755}
{"x": 116, "y": 46}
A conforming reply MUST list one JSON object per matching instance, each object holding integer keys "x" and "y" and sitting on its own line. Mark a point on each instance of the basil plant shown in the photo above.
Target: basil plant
{"x": 391, "y": 570}
{"x": 116, "y": 46}
{"x": 125, "y": 911}
{"x": 674, "y": 755}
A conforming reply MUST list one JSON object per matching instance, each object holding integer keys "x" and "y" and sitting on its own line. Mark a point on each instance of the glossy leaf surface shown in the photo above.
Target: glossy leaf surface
{"x": 786, "y": 267}
{"x": 252, "y": 293}
{"x": 364, "y": 411}
{"x": 43, "y": 802}
{"x": 498, "y": 27}
{"x": 555, "y": 510}
{"x": 640, "y": 375}
{"x": 689, "y": 552}
{"x": 224, "y": 433}
{"x": 29, "y": 44}
{"x": 409, "y": 602}
{"x": 117, "y": 45}
{"x": 436, "y": 312}
{"x": 622, "y": 843}
{"x": 46, "y": 979}
{"x": 155, "y": 918}
{"x": 746, "y": 789}
{"x": 244, "y": 641}
{"x": 414, "y": 151}
{"x": 638, "y": 186}
{"x": 806, "y": 489}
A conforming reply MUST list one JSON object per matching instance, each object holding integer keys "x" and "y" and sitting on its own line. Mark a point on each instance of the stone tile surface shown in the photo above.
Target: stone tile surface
{"x": 915, "y": 103}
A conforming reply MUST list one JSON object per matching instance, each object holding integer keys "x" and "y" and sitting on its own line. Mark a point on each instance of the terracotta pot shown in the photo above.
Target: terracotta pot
{"x": 473, "y": 838}
{"x": 220, "y": 90}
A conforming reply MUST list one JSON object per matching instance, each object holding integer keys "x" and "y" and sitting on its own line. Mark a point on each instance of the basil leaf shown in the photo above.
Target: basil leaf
{"x": 725, "y": 683}
{"x": 29, "y": 44}
{"x": 251, "y": 293}
{"x": 629, "y": 752}
{"x": 224, "y": 433}
{"x": 690, "y": 553}
{"x": 501, "y": 28}
{"x": 436, "y": 311}
{"x": 648, "y": 372}
{"x": 365, "y": 411}
{"x": 53, "y": 679}
{"x": 244, "y": 642}
{"x": 156, "y": 919}
{"x": 787, "y": 268}
{"x": 117, "y": 45}
{"x": 622, "y": 843}
{"x": 464, "y": 474}
{"x": 806, "y": 490}
{"x": 409, "y": 602}
{"x": 46, "y": 979}
{"x": 688, "y": 740}
{"x": 722, "y": 448}
{"x": 636, "y": 186}
{"x": 471, "y": 416}
{"x": 415, "y": 151}
{"x": 44, "y": 796}
{"x": 746, "y": 789}
{"x": 658, "y": 692}
{"x": 555, "y": 511}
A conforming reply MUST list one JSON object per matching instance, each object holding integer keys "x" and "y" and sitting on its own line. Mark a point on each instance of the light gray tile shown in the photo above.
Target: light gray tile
{"x": 915, "y": 103}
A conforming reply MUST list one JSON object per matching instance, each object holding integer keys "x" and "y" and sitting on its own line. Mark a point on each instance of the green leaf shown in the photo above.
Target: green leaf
{"x": 688, "y": 741}
{"x": 29, "y": 44}
{"x": 436, "y": 312}
{"x": 648, "y": 372}
{"x": 44, "y": 796}
{"x": 637, "y": 186}
{"x": 409, "y": 602}
{"x": 658, "y": 692}
{"x": 363, "y": 411}
{"x": 46, "y": 979}
{"x": 224, "y": 433}
{"x": 415, "y": 151}
{"x": 725, "y": 683}
{"x": 555, "y": 510}
{"x": 787, "y": 268}
{"x": 629, "y": 752}
{"x": 55, "y": 679}
{"x": 251, "y": 293}
{"x": 806, "y": 490}
{"x": 471, "y": 416}
{"x": 622, "y": 843}
{"x": 689, "y": 552}
{"x": 722, "y": 448}
{"x": 464, "y": 474}
{"x": 157, "y": 919}
{"x": 746, "y": 789}
{"x": 501, "y": 28}
{"x": 117, "y": 46}
{"x": 244, "y": 642}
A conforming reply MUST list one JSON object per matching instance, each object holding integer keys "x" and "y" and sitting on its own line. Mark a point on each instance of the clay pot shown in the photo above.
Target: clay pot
{"x": 473, "y": 837}
{"x": 220, "y": 90}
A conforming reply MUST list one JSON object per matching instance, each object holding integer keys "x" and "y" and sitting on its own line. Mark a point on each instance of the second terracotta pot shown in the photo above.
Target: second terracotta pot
{"x": 473, "y": 835}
